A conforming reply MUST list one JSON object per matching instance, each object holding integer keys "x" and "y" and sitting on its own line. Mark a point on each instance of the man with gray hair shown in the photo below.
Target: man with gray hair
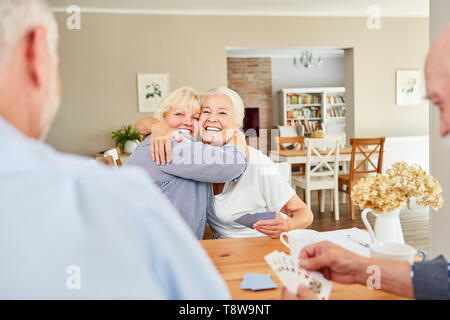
{"x": 70, "y": 229}
{"x": 422, "y": 280}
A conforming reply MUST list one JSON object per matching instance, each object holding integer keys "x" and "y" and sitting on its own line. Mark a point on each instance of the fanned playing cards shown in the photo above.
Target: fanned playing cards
{"x": 291, "y": 275}
{"x": 249, "y": 219}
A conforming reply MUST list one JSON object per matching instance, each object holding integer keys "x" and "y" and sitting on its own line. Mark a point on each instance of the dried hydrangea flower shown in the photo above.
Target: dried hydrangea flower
{"x": 397, "y": 188}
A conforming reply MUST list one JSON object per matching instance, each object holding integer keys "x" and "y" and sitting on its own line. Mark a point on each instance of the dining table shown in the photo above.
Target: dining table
{"x": 236, "y": 257}
{"x": 299, "y": 156}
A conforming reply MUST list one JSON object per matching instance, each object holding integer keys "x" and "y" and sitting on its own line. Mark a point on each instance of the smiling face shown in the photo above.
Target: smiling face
{"x": 217, "y": 119}
{"x": 182, "y": 117}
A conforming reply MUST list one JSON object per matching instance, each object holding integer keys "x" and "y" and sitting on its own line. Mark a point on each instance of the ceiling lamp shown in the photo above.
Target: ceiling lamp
{"x": 306, "y": 60}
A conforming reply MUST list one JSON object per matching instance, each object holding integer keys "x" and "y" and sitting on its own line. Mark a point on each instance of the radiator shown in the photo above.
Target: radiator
{"x": 413, "y": 150}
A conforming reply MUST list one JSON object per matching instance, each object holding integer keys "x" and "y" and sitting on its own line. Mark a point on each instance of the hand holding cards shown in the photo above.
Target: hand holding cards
{"x": 287, "y": 269}
{"x": 249, "y": 219}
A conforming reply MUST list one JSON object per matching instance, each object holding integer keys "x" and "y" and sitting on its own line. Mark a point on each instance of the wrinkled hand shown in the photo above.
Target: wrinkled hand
{"x": 333, "y": 261}
{"x": 303, "y": 293}
{"x": 272, "y": 227}
{"x": 161, "y": 143}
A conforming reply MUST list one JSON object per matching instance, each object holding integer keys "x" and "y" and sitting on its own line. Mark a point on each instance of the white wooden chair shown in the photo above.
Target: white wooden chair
{"x": 325, "y": 171}
{"x": 115, "y": 154}
{"x": 344, "y": 164}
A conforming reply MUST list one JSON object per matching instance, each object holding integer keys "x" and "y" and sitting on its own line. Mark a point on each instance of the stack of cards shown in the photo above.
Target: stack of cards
{"x": 291, "y": 275}
{"x": 249, "y": 219}
{"x": 257, "y": 281}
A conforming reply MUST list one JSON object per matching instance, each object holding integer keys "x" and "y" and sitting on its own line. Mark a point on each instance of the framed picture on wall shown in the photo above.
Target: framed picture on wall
{"x": 152, "y": 88}
{"x": 408, "y": 88}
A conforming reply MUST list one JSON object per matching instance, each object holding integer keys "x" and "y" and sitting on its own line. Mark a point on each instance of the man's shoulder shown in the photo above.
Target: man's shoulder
{"x": 92, "y": 175}
{"x": 36, "y": 161}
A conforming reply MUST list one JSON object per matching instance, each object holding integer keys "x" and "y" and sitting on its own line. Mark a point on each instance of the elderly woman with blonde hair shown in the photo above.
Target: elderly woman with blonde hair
{"x": 259, "y": 189}
{"x": 185, "y": 182}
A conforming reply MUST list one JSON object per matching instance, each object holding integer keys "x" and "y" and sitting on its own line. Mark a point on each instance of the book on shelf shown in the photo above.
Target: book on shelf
{"x": 296, "y": 98}
{"x": 310, "y": 126}
{"x": 337, "y": 112}
{"x": 304, "y": 113}
{"x": 335, "y": 99}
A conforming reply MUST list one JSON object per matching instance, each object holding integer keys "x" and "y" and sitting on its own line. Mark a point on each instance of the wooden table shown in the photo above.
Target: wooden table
{"x": 299, "y": 156}
{"x": 236, "y": 257}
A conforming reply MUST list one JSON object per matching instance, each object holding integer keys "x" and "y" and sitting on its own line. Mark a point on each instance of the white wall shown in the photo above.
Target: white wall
{"x": 286, "y": 75}
{"x": 440, "y": 153}
{"x": 99, "y": 64}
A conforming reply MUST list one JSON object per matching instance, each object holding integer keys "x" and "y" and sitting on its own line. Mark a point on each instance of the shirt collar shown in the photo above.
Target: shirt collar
{"x": 8, "y": 128}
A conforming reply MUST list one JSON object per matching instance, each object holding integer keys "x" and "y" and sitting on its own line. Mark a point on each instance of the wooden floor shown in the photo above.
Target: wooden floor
{"x": 415, "y": 224}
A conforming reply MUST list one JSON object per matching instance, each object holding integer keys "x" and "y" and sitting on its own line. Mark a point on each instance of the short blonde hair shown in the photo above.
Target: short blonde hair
{"x": 186, "y": 96}
{"x": 236, "y": 101}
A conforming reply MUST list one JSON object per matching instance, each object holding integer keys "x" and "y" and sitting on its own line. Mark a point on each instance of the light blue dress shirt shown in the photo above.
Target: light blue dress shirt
{"x": 71, "y": 229}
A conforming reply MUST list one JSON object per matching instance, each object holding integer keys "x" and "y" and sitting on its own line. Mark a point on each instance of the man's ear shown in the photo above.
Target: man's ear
{"x": 37, "y": 55}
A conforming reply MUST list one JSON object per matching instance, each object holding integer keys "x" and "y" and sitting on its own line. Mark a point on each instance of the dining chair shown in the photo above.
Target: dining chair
{"x": 367, "y": 147}
{"x": 343, "y": 165}
{"x": 322, "y": 170}
{"x": 108, "y": 160}
{"x": 289, "y": 143}
{"x": 115, "y": 154}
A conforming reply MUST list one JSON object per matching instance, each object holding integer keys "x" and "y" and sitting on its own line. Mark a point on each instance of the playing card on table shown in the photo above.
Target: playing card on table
{"x": 257, "y": 281}
{"x": 249, "y": 219}
{"x": 287, "y": 270}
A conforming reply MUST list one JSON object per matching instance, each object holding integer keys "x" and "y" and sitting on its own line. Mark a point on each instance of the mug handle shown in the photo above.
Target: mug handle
{"x": 421, "y": 252}
{"x": 284, "y": 241}
{"x": 367, "y": 224}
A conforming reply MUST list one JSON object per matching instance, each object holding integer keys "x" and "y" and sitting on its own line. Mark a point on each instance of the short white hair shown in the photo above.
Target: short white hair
{"x": 17, "y": 18}
{"x": 236, "y": 101}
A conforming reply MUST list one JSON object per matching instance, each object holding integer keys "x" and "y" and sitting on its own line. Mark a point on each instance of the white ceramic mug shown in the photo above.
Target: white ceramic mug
{"x": 395, "y": 251}
{"x": 298, "y": 239}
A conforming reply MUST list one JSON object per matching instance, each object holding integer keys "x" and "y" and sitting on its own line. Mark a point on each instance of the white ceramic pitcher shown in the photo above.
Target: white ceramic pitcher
{"x": 387, "y": 226}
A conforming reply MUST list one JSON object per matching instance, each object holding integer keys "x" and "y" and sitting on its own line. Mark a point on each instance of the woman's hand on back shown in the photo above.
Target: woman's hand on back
{"x": 161, "y": 143}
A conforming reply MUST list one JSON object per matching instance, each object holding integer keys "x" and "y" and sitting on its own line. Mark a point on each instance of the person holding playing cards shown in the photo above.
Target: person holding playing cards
{"x": 260, "y": 202}
{"x": 422, "y": 280}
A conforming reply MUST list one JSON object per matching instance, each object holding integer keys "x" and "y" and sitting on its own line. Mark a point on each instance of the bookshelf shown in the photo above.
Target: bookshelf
{"x": 313, "y": 108}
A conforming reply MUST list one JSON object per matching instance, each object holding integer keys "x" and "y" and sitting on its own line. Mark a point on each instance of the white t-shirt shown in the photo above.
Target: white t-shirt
{"x": 261, "y": 188}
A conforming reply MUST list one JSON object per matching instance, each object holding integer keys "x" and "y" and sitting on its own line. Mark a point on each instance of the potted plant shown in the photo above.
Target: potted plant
{"x": 126, "y": 138}
{"x": 386, "y": 195}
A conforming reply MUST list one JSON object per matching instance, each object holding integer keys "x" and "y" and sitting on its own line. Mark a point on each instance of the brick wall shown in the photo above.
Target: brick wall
{"x": 251, "y": 78}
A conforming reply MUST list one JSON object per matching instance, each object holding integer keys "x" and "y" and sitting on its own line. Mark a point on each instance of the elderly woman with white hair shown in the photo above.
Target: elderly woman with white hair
{"x": 259, "y": 189}
{"x": 184, "y": 181}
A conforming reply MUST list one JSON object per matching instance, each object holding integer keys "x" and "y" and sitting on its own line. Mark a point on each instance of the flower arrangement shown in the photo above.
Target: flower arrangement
{"x": 402, "y": 182}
